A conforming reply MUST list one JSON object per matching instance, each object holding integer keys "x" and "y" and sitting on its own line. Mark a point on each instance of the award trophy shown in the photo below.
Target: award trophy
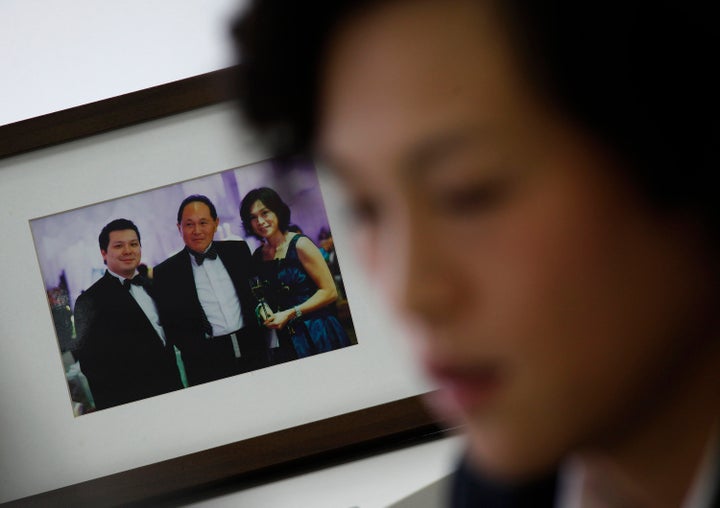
{"x": 262, "y": 310}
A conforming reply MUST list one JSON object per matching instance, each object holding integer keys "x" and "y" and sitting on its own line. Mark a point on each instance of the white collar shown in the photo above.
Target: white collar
{"x": 120, "y": 277}
{"x": 700, "y": 495}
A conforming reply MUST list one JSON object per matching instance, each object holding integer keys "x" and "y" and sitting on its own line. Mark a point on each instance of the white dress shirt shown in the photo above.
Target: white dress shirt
{"x": 217, "y": 296}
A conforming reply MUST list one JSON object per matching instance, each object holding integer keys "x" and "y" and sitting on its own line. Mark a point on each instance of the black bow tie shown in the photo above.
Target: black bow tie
{"x": 211, "y": 253}
{"x": 138, "y": 280}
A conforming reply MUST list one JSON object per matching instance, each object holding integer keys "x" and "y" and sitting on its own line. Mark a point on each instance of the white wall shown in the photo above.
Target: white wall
{"x": 56, "y": 54}
{"x": 42, "y": 445}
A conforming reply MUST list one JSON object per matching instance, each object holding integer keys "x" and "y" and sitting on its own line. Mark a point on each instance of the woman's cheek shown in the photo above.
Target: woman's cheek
{"x": 368, "y": 248}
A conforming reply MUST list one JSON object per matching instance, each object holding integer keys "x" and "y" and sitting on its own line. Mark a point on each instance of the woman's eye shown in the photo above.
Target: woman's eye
{"x": 471, "y": 198}
{"x": 364, "y": 211}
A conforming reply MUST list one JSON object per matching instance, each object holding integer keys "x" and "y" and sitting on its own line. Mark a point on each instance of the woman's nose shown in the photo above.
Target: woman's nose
{"x": 426, "y": 283}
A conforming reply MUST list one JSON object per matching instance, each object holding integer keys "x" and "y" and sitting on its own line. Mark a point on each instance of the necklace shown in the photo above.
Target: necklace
{"x": 279, "y": 249}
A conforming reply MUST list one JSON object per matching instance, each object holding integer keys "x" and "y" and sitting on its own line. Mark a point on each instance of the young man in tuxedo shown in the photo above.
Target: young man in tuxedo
{"x": 205, "y": 301}
{"x": 123, "y": 350}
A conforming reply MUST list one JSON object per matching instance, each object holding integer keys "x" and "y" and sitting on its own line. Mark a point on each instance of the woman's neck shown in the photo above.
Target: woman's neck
{"x": 277, "y": 239}
{"x": 659, "y": 454}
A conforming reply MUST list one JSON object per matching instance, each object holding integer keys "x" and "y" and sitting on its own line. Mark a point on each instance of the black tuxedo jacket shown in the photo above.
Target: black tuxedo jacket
{"x": 469, "y": 490}
{"x": 120, "y": 353}
{"x": 181, "y": 314}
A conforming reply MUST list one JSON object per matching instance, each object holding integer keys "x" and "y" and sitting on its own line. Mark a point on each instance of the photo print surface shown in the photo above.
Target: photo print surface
{"x": 171, "y": 297}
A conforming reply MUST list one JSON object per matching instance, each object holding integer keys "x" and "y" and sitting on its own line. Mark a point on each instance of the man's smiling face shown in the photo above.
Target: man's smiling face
{"x": 123, "y": 253}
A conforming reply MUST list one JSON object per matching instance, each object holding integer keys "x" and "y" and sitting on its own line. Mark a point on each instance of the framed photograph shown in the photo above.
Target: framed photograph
{"x": 62, "y": 178}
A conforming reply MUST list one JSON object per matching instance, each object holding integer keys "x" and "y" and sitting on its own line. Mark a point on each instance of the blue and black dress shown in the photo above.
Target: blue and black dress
{"x": 287, "y": 284}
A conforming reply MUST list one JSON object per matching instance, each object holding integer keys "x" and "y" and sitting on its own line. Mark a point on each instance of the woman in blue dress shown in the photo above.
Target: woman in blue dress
{"x": 296, "y": 280}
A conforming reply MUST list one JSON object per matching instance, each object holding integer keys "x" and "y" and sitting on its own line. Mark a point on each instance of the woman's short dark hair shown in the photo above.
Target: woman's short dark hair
{"x": 115, "y": 225}
{"x": 638, "y": 76}
{"x": 272, "y": 201}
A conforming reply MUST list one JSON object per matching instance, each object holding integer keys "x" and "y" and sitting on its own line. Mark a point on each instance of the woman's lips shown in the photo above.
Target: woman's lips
{"x": 466, "y": 389}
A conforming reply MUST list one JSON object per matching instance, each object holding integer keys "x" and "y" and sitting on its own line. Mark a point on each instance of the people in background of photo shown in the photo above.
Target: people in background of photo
{"x": 534, "y": 190}
{"x": 205, "y": 301}
{"x": 327, "y": 249}
{"x": 123, "y": 350}
{"x": 300, "y": 287}
{"x": 295, "y": 228}
{"x": 144, "y": 270}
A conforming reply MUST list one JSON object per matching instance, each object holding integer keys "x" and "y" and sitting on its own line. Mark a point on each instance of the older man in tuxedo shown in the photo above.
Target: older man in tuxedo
{"x": 206, "y": 304}
{"x": 123, "y": 350}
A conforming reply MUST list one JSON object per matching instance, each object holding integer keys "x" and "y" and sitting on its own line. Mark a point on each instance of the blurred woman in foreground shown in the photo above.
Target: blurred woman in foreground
{"x": 568, "y": 150}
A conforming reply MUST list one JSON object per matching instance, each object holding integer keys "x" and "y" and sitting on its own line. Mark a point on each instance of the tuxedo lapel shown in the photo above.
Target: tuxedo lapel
{"x": 150, "y": 288}
{"x": 124, "y": 303}
{"x": 187, "y": 286}
{"x": 233, "y": 267}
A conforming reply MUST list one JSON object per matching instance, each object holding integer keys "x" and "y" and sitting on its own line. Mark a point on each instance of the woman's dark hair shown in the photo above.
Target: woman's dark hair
{"x": 272, "y": 201}
{"x": 638, "y": 76}
{"x": 281, "y": 47}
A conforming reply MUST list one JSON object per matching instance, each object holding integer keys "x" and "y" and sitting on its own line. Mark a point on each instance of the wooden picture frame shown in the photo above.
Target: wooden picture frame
{"x": 263, "y": 458}
{"x": 334, "y": 438}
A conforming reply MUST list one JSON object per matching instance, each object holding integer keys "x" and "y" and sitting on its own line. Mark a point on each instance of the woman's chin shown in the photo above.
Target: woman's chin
{"x": 500, "y": 456}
